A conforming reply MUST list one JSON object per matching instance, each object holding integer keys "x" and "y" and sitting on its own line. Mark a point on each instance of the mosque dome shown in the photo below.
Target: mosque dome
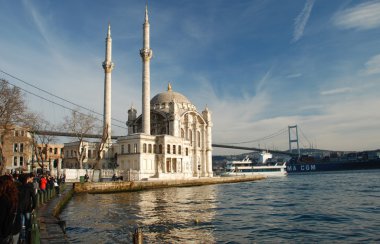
{"x": 169, "y": 96}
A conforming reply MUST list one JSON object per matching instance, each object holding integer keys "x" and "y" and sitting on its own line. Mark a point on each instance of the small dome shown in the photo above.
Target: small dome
{"x": 168, "y": 96}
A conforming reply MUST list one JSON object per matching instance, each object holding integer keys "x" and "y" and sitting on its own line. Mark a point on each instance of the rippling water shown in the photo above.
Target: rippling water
{"x": 333, "y": 207}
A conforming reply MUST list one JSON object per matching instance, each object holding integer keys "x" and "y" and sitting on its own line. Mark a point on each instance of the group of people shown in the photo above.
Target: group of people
{"x": 18, "y": 199}
{"x": 116, "y": 178}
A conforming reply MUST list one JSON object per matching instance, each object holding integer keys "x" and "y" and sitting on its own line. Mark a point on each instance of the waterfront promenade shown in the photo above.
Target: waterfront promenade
{"x": 51, "y": 228}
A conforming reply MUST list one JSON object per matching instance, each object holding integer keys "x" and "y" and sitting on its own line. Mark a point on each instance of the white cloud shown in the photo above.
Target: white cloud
{"x": 301, "y": 20}
{"x": 346, "y": 125}
{"x": 372, "y": 66}
{"x": 362, "y": 17}
{"x": 337, "y": 91}
{"x": 232, "y": 116}
{"x": 296, "y": 75}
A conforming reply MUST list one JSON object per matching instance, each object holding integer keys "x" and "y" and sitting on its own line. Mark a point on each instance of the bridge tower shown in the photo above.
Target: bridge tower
{"x": 293, "y": 138}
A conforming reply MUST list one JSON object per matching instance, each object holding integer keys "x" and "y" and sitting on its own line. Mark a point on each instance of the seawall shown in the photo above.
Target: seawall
{"x": 126, "y": 186}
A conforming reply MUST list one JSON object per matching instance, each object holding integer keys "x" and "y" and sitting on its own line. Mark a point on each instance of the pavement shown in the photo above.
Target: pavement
{"x": 51, "y": 227}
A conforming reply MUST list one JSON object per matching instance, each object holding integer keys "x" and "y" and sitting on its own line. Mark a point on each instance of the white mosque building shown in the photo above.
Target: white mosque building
{"x": 170, "y": 139}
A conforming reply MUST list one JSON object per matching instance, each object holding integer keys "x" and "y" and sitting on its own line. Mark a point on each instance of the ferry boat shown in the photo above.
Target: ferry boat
{"x": 349, "y": 161}
{"x": 247, "y": 167}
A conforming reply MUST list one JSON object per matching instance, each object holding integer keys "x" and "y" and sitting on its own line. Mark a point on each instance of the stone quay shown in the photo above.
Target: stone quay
{"x": 127, "y": 186}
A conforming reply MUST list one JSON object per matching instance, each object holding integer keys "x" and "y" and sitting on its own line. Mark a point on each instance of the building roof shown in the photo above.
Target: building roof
{"x": 169, "y": 96}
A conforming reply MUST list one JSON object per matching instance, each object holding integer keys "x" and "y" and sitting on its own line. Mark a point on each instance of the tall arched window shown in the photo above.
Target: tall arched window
{"x": 144, "y": 148}
{"x": 150, "y": 148}
{"x": 179, "y": 150}
{"x": 199, "y": 138}
{"x": 160, "y": 149}
{"x": 174, "y": 151}
{"x": 168, "y": 148}
{"x": 191, "y": 137}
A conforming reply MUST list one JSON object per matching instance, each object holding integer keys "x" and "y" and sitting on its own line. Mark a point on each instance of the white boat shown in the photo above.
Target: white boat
{"x": 246, "y": 167}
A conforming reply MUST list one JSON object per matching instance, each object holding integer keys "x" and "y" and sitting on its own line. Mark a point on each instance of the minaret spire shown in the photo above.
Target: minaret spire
{"x": 107, "y": 66}
{"x": 146, "y": 13}
{"x": 109, "y": 31}
{"x": 146, "y": 55}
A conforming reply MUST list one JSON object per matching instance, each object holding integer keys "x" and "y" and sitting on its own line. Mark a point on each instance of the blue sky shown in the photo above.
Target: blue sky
{"x": 259, "y": 66}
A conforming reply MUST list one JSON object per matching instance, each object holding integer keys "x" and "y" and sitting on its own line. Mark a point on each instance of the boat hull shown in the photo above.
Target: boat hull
{"x": 293, "y": 168}
{"x": 267, "y": 174}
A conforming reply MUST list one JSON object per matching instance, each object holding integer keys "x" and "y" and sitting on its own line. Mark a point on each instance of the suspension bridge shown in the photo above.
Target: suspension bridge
{"x": 66, "y": 104}
{"x": 98, "y": 136}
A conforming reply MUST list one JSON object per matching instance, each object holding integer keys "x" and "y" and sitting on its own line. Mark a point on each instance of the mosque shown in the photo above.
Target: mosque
{"x": 170, "y": 139}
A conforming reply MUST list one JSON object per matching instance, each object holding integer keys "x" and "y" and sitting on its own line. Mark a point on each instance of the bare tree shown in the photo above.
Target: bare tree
{"x": 80, "y": 124}
{"x": 40, "y": 142}
{"x": 12, "y": 111}
{"x": 100, "y": 147}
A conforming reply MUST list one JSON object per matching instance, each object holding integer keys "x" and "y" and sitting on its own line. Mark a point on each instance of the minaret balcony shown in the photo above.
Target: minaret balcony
{"x": 146, "y": 53}
{"x": 108, "y": 66}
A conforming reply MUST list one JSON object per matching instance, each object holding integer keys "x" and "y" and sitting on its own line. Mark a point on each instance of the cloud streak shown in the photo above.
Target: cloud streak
{"x": 301, "y": 20}
{"x": 364, "y": 16}
{"x": 372, "y": 66}
{"x": 336, "y": 91}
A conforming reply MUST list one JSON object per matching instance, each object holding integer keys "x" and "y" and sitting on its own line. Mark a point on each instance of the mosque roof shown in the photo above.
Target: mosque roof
{"x": 168, "y": 96}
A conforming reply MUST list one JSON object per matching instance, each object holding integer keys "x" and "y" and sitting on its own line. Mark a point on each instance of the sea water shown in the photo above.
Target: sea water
{"x": 341, "y": 207}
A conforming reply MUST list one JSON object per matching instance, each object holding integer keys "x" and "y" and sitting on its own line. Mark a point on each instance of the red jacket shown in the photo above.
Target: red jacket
{"x": 43, "y": 182}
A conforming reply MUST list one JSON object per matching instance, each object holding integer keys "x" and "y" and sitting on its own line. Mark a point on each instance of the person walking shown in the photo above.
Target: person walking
{"x": 43, "y": 182}
{"x": 27, "y": 204}
{"x": 9, "y": 217}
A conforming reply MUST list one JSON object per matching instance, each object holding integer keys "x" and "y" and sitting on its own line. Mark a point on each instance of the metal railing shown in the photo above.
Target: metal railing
{"x": 41, "y": 198}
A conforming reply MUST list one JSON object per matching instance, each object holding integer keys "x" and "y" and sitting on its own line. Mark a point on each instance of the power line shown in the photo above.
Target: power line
{"x": 51, "y": 94}
{"x": 63, "y": 106}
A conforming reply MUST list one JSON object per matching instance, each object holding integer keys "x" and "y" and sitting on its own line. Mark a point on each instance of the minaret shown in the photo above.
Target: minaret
{"x": 146, "y": 55}
{"x": 107, "y": 66}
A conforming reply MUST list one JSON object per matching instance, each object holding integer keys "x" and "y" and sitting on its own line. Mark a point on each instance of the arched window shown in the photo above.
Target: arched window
{"x": 179, "y": 150}
{"x": 154, "y": 148}
{"x": 150, "y": 148}
{"x": 174, "y": 151}
{"x": 144, "y": 148}
{"x": 191, "y": 137}
{"x": 187, "y": 151}
{"x": 129, "y": 148}
{"x": 199, "y": 138}
{"x": 160, "y": 149}
{"x": 168, "y": 149}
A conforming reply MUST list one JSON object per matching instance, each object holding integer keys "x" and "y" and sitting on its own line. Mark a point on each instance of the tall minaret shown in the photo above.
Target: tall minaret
{"x": 107, "y": 66}
{"x": 146, "y": 55}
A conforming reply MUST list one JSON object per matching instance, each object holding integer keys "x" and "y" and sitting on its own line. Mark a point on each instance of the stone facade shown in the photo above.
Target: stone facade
{"x": 17, "y": 148}
{"x": 51, "y": 159}
{"x": 179, "y": 145}
{"x": 19, "y": 153}
{"x": 73, "y": 149}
